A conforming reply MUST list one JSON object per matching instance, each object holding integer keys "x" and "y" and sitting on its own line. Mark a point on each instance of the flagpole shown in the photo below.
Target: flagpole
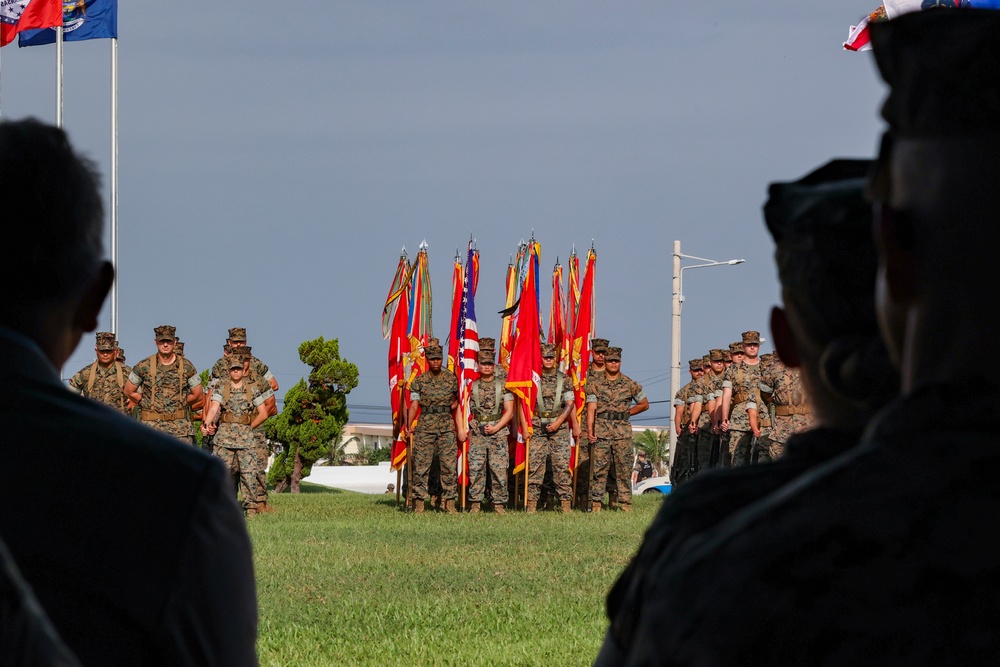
{"x": 114, "y": 183}
{"x": 59, "y": 76}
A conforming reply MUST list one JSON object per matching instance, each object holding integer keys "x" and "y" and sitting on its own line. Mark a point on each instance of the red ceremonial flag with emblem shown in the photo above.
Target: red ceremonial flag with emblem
{"x": 557, "y": 313}
{"x": 524, "y": 377}
{"x": 399, "y": 347}
{"x": 18, "y": 15}
{"x": 455, "y": 333}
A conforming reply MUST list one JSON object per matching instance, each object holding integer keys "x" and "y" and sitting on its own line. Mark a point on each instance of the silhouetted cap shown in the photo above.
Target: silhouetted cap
{"x": 943, "y": 71}
{"x": 828, "y": 198}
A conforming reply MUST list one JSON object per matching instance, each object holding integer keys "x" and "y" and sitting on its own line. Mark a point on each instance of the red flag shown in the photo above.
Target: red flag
{"x": 420, "y": 298}
{"x": 557, "y": 323}
{"x": 524, "y": 376}
{"x": 454, "y": 333}
{"x": 580, "y": 360}
{"x": 508, "y": 322}
{"x": 28, "y": 15}
{"x": 399, "y": 346}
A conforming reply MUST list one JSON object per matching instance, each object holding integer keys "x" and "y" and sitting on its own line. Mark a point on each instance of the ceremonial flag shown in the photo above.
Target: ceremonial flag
{"x": 17, "y": 16}
{"x": 420, "y": 299}
{"x": 467, "y": 368}
{"x": 81, "y": 19}
{"x": 396, "y": 289}
{"x": 580, "y": 360}
{"x": 557, "y": 314}
{"x": 572, "y": 304}
{"x": 508, "y": 321}
{"x": 455, "y": 333}
{"x": 524, "y": 378}
{"x": 399, "y": 346}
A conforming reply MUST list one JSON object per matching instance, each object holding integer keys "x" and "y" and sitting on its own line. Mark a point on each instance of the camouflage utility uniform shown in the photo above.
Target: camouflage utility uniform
{"x": 792, "y": 410}
{"x": 234, "y": 440}
{"x": 614, "y": 434}
{"x": 683, "y": 454}
{"x": 556, "y": 391}
{"x": 434, "y": 434}
{"x": 744, "y": 380}
{"x": 164, "y": 394}
{"x": 488, "y": 454}
{"x": 103, "y": 384}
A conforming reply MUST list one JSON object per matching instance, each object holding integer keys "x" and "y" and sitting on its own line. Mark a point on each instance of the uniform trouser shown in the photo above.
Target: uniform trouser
{"x": 543, "y": 446}
{"x": 243, "y": 466}
{"x": 685, "y": 458}
{"x": 263, "y": 453}
{"x": 744, "y": 451}
{"x": 619, "y": 454}
{"x": 425, "y": 447}
{"x": 705, "y": 437}
{"x": 583, "y": 470}
{"x": 488, "y": 456}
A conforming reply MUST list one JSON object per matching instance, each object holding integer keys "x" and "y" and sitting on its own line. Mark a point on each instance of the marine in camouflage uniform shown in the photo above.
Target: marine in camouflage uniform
{"x": 491, "y": 409}
{"x": 609, "y": 408}
{"x": 792, "y": 409}
{"x": 705, "y": 408}
{"x": 104, "y": 380}
{"x": 236, "y": 407}
{"x": 168, "y": 383}
{"x": 435, "y": 393}
{"x": 550, "y": 433}
{"x": 685, "y": 458}
{"x": 741, "y": 398}
{"x": 598, "y": 347}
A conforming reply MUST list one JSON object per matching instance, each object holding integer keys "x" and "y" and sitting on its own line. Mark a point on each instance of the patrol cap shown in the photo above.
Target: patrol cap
{"x": 486, "y": 356}
{"x": 706, "y": 362}
{"x": 599, "y": 345}
{"x": 736, "y": 348}
{"x": 240, "y": 353}
{"x": 236, "y": 361}
{"x": 613, "y": 354}
{"x": 751, "y": 337}
{"x": 433, "y": 352}
{"x": 716, "y": 355}
{"x": 105, "y": 341}
{"x": 726, "y": 356}
{"x": 548, "y": 350}
{"x": 695, "y": 364}
{"x": 238, "y": 335}
{"x": 165, "y": 332}
{"x": 179, "y": 347}
{"x": 487, "y": 344}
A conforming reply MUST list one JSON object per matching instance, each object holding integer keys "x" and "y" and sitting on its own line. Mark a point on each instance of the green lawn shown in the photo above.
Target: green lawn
{"x": 346, "y": 579}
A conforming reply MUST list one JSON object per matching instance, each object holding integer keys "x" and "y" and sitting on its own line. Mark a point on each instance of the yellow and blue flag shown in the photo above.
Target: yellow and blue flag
{"x": 82, "y": 19}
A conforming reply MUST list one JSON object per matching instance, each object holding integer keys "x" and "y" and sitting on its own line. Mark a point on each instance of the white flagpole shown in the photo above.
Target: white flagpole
{"x": 59, "y": 76}
{"x": 114, "y": 182}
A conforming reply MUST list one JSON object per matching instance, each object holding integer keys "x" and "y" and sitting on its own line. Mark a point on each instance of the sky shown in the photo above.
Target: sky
{"x": 273, "y": 164}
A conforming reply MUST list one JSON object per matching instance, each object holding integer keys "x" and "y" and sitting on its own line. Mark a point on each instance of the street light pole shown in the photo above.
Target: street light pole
{"x": 675, "y": 328}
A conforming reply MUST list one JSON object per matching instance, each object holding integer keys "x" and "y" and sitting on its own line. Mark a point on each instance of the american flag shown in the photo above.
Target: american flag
{"x": 467, "y": 368}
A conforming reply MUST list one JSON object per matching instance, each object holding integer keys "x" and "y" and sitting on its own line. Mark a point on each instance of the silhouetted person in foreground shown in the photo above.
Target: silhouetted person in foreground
{"x": 889, "y": 553}
{"x": 132, "y": 542}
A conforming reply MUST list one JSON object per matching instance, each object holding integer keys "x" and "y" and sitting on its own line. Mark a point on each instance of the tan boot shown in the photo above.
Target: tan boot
{"x": 436, "y": 502}
{"x": 449, "y": 506}
{"x": 595, "y": 506}
{"x": 567, "y": 506}
{"x": 499, "y": 509}
{"x": 625, "y": 507}
{"x": 418, "y": 505}
{"x": 473, "y": 508}
{"x": 532, "y": 506}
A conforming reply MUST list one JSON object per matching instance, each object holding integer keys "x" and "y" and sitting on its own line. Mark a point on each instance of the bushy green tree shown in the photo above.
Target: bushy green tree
{"x": 313, "y": 415}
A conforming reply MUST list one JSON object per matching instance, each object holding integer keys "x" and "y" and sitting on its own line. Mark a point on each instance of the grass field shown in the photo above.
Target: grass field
{"x": 346, "y": 579}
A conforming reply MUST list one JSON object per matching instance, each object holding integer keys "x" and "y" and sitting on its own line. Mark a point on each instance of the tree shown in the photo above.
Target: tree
{"x": 657, "y": 448}
{"x": 314, "y": 413}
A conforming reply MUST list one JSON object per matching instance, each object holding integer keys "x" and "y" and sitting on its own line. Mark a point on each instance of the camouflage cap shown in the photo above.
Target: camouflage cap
{"x": 751, "y": 337}
{"x": 599, "y": 345}
{"x": 736, "y": 348}
{"x": 238, "y": 334}
{"x": 236, "y": 361}
{"x": 706, "y": 361}
{"x": 487, "y": 344}
{"x": 179, "y": 347}
{"x": 727, "y": 356}
{"x": 227, "y": 348}
{"x": 716, "y": 355}
{"x": 695, "y": 364}
{"x": 165, "y": 332}
{"x": 249, "y": 350}
{"x": 487, "y": 356}
{"x": 105, "y": 341}
{"x": 241, "y": 353}
{"x": 433, "y": 351}
{"x": 121, "y": 355}
{"x": 548, "y": 350}
{"x": 613, "y": 354}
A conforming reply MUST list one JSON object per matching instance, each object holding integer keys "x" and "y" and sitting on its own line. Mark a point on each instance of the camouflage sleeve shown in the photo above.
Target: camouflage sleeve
{"x": 77, "y": 382}
{"x": 135, "y": 379}
{"x": 258, "y": 398}
{"x": 679, "y": 397}
{"x": 263, "y": 371}
{"x": 415, "y": 388}
{"x": 217, "y": 396}
{"x": 638, "y": 395}
{"x": 508, "y": 396}
{"x": 217, "y": 369}
{"x": 193, "y": 379}
{"x": 727, "y": 377}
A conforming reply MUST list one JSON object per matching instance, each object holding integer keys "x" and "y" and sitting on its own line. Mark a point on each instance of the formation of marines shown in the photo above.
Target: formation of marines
{"x": 605, "y": 457}
{"x": 739, "y": 408}
{"x": 165, "y": 392}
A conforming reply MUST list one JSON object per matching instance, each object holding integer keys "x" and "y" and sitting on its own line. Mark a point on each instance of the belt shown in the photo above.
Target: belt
{"x": 740, "y": 397}
{"x": 435, "y": 409}
{"x": 619, "y": 416}
{"x": 789, "y": 410}
{"x": 547, "y": 415}
{"x": 483, "y": 417}
{"x": 228, "y": 418}
{"x": 149, "y": 415}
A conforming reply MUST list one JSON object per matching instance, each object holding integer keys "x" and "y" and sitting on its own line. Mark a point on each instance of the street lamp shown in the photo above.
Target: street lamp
{"x": 675, "y": 328}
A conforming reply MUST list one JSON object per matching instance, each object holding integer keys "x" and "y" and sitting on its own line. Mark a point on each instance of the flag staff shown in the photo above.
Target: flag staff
{"x": 59, "y": 76}
{"x": 114, "y": 183}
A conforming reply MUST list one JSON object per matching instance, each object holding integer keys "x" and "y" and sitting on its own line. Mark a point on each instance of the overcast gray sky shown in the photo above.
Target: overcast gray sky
{"x": 274, "y": 162}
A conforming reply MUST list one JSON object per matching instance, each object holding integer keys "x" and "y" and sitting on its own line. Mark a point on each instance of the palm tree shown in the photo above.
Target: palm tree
{"x": 656, "y": 444}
